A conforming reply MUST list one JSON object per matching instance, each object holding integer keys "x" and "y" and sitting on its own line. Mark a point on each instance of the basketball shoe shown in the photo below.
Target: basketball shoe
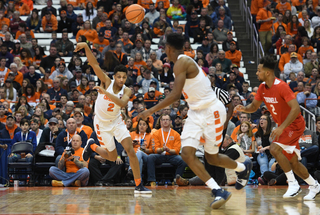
{"x": 313, "y": 192}
{"x": 87, "y": 151}
{"x": 243, "y": 177}
{"x": 140, "y": 189}
{"x": 293, "y": 190}
{"x": 221, "y": 197}
{"x": 181, "y": 181}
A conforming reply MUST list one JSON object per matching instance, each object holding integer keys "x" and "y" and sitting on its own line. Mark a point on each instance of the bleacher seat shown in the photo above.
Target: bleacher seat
{"x": 154, "y": 47}
{"x": 243, "y": 70}
{"x": 49, "y": 35}
{"x": 46, "y": 42}
{"x": 195, "y": 46}
{"x": 156, "y": 40}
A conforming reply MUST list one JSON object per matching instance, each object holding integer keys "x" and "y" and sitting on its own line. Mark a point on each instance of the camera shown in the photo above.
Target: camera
{"x": 69, "y": 152}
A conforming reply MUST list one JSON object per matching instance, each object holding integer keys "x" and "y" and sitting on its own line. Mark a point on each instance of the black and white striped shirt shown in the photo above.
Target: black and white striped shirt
{"x": 222, "y": 95}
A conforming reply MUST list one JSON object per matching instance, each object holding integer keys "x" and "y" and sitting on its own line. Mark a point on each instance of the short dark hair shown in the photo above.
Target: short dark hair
{"x": 268, "y": 62}
{"x": 23, "y": 121}
{"x": 120, "y": 68}
{"x": 175, "y": 40}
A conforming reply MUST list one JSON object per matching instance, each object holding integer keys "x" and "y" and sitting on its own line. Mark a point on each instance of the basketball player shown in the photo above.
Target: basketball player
{"x": 206, "y": 118}
{"x": 108, "y": 123}
{"x": 285, "y": 111}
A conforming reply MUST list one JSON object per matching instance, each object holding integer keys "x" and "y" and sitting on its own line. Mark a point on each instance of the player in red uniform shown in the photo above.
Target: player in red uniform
{"x": 285, "y": 110}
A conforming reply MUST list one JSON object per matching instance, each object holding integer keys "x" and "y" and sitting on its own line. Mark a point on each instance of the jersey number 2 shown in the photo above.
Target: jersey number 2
{"x": 273, "y": 110}
{"x": 110, "y": 107}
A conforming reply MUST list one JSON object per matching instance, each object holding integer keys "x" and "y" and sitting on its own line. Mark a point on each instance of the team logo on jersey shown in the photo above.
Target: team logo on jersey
{"x": 120, "y": 96}
{"x": 290, "y": 134}
{"x": 105, "y": 97}
{"x": 272, "y": 100}
{"x": 171, "y": 138}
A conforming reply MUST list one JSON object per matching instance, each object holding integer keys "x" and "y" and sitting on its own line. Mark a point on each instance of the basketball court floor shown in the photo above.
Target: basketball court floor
{"x": 165, "y": 200}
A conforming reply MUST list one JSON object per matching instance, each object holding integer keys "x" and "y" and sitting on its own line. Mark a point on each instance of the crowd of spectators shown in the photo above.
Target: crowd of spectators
{"x": 56, "y": 99}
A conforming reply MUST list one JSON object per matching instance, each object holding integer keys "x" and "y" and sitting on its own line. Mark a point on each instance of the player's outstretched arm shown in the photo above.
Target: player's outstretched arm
{"x": 251, "y": 108}
{"x": 120, "y": 102}
{"x": 180, "y": 79}
{"x": 93, "y": 63}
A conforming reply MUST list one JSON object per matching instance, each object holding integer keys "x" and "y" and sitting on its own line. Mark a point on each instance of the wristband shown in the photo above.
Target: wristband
{"x": 162, "y": 149}
{"x": 119, "y": 157}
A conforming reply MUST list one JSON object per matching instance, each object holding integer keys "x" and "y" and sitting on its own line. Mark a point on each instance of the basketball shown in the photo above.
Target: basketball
{"x": 135, "y": 13}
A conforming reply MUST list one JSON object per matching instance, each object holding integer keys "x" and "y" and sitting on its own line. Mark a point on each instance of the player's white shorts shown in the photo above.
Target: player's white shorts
{"x": 107, "y": 129}
{"x": 207, "y": 124}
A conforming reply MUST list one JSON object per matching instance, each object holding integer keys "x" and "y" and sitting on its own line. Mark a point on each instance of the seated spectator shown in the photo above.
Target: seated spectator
{"x": 49, "y": 23}
{"x": 61, "y": 71}
{"x": 79, "y": 117}
{"x": 23, "y": 30}
{"x": 176, "y": 11}
{"x": 56, "y": 92}
{"x": 292, "y": 66}
{"x": 246, "y": 139}
{"x": 3, "y": 69}
{"x": 87, "y": 30}
{"x": 77, "y": 24}
{"x": 285, "y": 47}
{"x": 23, "y": 136}
{"x": 165, "y": 151}
{"x": 226, "y": 44}
{"x": 49, "y": 8}
{"x": 153, "y": 13}
{"x": 24, "y": 43}
{"x": 309, "y": 145}
{"x": 280, "y": 22}
{"x": 108, "y": 30}
{"x": 285, "y": 58}
{"x": 233, "y": 54}
{"x": 243, "y": 117}
{"x": 313, "y": 64}
{"x": 26, "y": 58}
{"x": 200, "y": 32}
{"x": 307, "y": 94}
{"x": 3, "y": 19}
{"x": 225, "y": 63}
{"x": 14, "y": 22}
{"x": 145, "y": 82}
{"x": 313, "y": 80}
{"x": 192, "y": 25}
{"x": 65, "y": 23}
{"x": 307, "y": 57}
{"x": 77, "y": 173}
{"x": 305, "y": 46}
{"x": 17, "y": 76}
{"x": 89, "y": 13}
{"x": 226, "y": 20}
{"x": 293, "y": 26}
{"x": 309, "y": 29}
{"x": 205, "y": 48}
{"x": 113, "y": 174}
{"x": 6, "y": 54}
{"x": 22, "y": 7}
{"x": 220, "y": 33}
{"x": 64, "y": 46}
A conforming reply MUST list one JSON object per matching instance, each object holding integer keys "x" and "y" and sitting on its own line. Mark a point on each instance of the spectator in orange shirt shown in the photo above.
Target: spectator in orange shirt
{"x": 33, "y": 98}
{"x": 3, "y": 20}
{"x": 26, "y": 57}
{"x": 18, "y": 76}
{"x": 3, "y": 117}
{"x": 145, "y": 3}
{"x": 233, "y": 54}
{"x": 22, "y": 8}
{"x": 283, "y": 6}
{"x": 166, "y": 144}
{"x": 280, "y": 22}
{"x": 100, "y": 43}
{"x": 83, "y": 86}
{"x": 79, "y": 117}
{"x": 87, "y": 31}
{"x": 102, "y": 23}
{"x": 188, "y": 49}
{"x": 166, "y": 3}
{"x": 265, "y": 33}
{"x": 305, "y": 47}
{"x": 49, "y": 23}
{"x": 293, "y": 26}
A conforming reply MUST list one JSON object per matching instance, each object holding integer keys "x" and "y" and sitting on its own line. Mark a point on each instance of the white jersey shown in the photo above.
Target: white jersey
{"x": 197, "y": 91}
{"x": 105, "y": 108}
{"x": 3, "y": 73}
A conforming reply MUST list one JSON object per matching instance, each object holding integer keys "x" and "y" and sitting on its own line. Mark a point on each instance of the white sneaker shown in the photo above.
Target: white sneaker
{"x": 313, "y": 192}
{"x": 293, "y": 190}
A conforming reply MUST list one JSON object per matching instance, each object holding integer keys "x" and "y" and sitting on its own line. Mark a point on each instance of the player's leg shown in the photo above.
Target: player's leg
{"x": 294, "y": 188}
{"x": 299, "y": 169}
{"x": 188, "y": 155}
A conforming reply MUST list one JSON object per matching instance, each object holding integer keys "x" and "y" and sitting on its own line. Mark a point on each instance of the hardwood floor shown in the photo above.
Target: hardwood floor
{"x": 165, "y": 200}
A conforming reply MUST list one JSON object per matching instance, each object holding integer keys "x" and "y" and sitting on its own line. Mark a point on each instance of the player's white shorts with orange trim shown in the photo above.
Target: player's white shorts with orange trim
{"x": 107, "y": 129}
{"x": 207, "y": 124}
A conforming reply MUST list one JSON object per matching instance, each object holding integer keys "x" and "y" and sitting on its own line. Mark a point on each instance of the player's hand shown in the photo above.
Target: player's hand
{"x": 119, "y": 161}
{"x": 100, "y": 90}
{"x": 80, "y": 46}
{"x": 275, "y": 134}
{"x": 144, "y": 115}
{"x": 240, "y": 108}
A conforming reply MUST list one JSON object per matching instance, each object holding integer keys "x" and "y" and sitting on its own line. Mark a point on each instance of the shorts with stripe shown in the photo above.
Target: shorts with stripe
{"x": 207, "y": 124}
{"x": 107, "y": 129}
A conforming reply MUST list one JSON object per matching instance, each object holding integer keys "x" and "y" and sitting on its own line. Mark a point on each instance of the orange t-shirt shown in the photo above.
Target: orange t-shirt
{"x": 18, "y": 78}
{"x": 83, "y": 91}
{"x": 174, "y": 140}
{"x": 235, "y": 57}
{"x": 4, "y": 20}
{"x": 26, "y": 61}
{"x": 101, "y": 45}
{"x": 302, "y": 50}
{"x": 190, "y": 53}
{"x": 145, "y": 3}
{"x": 100, "y": 25}
{"x": 33, "y": 99}
{"x": 3, "y": 119}
{"x": 138, "y": 64}
{"x": 138, "y": 137}
{"x": 20, "y": 32}
{"x": 53, "y": 23}
{"x": 90, "y": 34}
{"x": 70, "y": 165}
{"x": 263, "y": 14}
{"x": 87, "y": 129}
{"x": 283, "y": 7}
{"x": 234, "y": 134}
{"x": 294, "y": 30}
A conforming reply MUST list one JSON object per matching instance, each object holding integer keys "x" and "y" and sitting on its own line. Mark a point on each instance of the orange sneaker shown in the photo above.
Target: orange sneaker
{"x": 56, "y": 183}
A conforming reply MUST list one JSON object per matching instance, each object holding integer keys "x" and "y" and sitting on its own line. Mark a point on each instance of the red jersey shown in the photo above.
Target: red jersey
{"x": 276, "y": 98}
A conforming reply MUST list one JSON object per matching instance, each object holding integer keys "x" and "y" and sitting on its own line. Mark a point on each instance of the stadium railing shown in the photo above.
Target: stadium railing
{"x": 309, "y": 117}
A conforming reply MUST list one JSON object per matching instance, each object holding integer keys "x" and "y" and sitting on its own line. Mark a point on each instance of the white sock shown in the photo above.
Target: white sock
{"x": 240, "y": 167}
{"x": 212, "y": 184}
{"x": 310, "y": 181}
{"x": 290, "y": 176}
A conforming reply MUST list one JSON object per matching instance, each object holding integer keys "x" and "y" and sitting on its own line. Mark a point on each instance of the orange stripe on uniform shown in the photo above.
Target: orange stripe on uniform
{"x": 219, "y": 144}
{"x": 217, "y": 121}
{"x": 218, "y": 137}
{"x": 98, "y": 132}
{"x": 219, "y": 129}
{"x": 99, "y": 138}
{"x": 101, "y": 143}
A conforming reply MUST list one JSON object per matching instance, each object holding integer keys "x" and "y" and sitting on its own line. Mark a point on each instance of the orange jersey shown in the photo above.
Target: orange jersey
{"x": 70, "y": 165}
{"x": 20, "y": 32}
{"x": 147, "y": 140}
{"x": 53, "y": 23}
{"x": 302, "y": 50}
{"x": 145, "y": 3}
{"x": 173, "y": 141}
{"x": 26, "y": 61}
{"x": 83, "y": 91}
{"x": 190, "y": 53}
{"x": 100, "y": 25}
{"x": 101, "y": 45}
{"x": 74, "y": 3}
{"x": 33, "y": 99}
{"x": 276, "y": 25}
{"x": 234, "y": 134}
{"x": 294, "y": 30}
{"x": 276, "y": 99}
{"x": 49, "y": 83}
{"x": 18, "y": 78}
{"x": 283, "y": 7}
{"x": 3, "y": 21}
{"x": 90, "y": 34}
{"x": 22, "y": 8}
{"x": 166, "y": 3}
{"x": 87, "y": 129}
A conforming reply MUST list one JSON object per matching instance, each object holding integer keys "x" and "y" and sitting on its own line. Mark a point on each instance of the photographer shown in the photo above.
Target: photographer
{"x": 77, "y": 173}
